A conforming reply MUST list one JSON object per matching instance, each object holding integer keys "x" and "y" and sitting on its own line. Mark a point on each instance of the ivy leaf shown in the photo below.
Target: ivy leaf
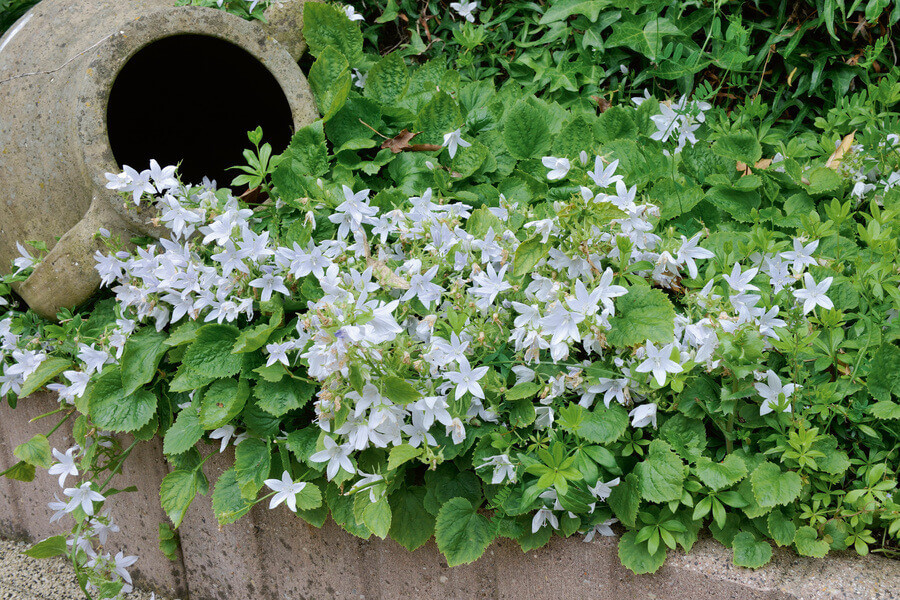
{"x": 717, "y": 476}
{"x": 526, "y": 131}
{"x": 184, "y": 433}
{"x": 772, "y": 487}
{"x": 325, "y": 25}
{"x": 47, "y": 371}
{"x": 561, "y": 10}
{"x": 808, "y": 543}
{"x": 636, "y": 557}
{"x": 415, "y": 525}
{"x": 661, "y": 474}
{"x": 388, "y": 80}
{"x": 642, "y": 314}
{"x": 222, "y": 402}
{"x": 781, "y": 528}
{"x": 53, "y": 546}
{"x": 625, "y": 500}
{"x": 750, "y": 553}
{"x": 252, "y": 462}
{"x": 398, "y": 391}
{"x": 35, "y": 452}
{"x": 461, "y": 533}
{"x": 330, "y": 81}
{"x": 113, "y": 410}
{"x": 141, "y": 357}
{"x": 177, "y": 492}
{"x": 283, "y": 396}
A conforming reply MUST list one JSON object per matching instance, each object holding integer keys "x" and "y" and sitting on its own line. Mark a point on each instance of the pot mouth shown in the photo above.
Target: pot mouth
{"x": 190, "y": 99}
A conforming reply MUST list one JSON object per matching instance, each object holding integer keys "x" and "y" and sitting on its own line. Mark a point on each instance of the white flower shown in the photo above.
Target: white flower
{"x": 541, "y": 517}
{"x": 359, "y": 80}
{"x": 801, "y": 255}
{"x": 121, "y": 563}
{"x": 604, "y": 177}
{"x": 601, "y": 490}
{"x": 287, "y": 490}
{"x": 740, "y": 282}
{"x": 659, "y": 362}
{"x": 83, "y": 495}
{"x": 454, "y": 139}
{"x": 559, "y": 167}
{"x": 771, "y": 392}
{"x": 225, "y": 434}
{"x": 813, "y": 294}
{"x": 466, "y": 10}
{"x": 25, "y": 260}
{"x": 337, "y": 456}
{"x": 352, "y": 14}
{"x": 466, "y": 379}
{"x": 603, "y": 529}
{"x": 65, "y": 466}
{"x": 643, "y": 415}
{"x": 503, "y": 468}
{"x": 278, "y": 353}
{"x": 456, "y": 430}
{"x": 689, "y": 251}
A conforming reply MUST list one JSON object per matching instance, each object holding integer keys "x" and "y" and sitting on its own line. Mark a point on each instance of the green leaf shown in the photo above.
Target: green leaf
{"x": 440, "y": 116}
{"x": 603, "y": 425}
{"x": 781, "y": 528}
{"x": 808, "y": 543}
{"x": 521, "y": 413}
{"x": 208, "y": 357}
{"x": 823, "y": 180}
{"x": 141, "y": 357}
{"x": 687, "y": 436}
{"x": 642, "y": 314}
{"x": 309, "y": 498}
{"x": 184, "y": 433}
{"x": 625, "y": 500}
{"x": 661, "y": 474}
{"x": 177, "y": 492}
{"x": 636, "y": 556}
{"x": 21, "y": 471}
{"x": 721, "y": 475}
{"x": 222, "y": 402}
{"x": 252, "y": 462}
{"x": 388, "y": 80}
{"x": 184, "y": 334}
{"x": 528, "y": 255}
{"x": 885, "y": 409}
{"x": 739, "y": 146}
{"x": 53, "y": 546}
{"x": 376, "y": 515}
{"x": 35, "y": 451}
{"x": 325, "y": 25}
{"x": 168, "y": 542}
{"x": 884, "y": 373}
{"x": 330, "y": 81}
{"x": 561, "y": 10}
{"x": 772, "y": 487}
{"x": 398, "y": 391}
{"x": 227, "y": 503}
{"x": 523, "y": 390}
{"x": 308, "y": 157}
{"x": 113, "y": 410}
{"x": 735, "y": 203}
{"x": 615, "y": 123}
{"x": 254, "y": 338}
{"x": 526, "y": 131}
{"x": 750, "y": 553}
{"x": 402, "y": 454}
{"x": 414, "y": 525}
{"x": 284, "y": 396}
{"x": 461, "y": 533}
{"x": 47, "y": 371}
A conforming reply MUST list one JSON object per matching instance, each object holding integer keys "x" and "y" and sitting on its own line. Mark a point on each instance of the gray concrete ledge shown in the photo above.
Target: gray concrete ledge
{"x": 269, "y": 554}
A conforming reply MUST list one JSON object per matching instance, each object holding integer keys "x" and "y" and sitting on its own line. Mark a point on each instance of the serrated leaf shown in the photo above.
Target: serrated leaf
{"x": 402, "y": 454}
{"x": 884, "y": 374}
{"x": 807, "y": 542}
{"x": 209, "y": 357}
{"x": 642, "y": 314}
{"x": 304, "y": 160}
{"x": 528, "y": 255}
{"x": 603, "y": 425}
{"x": 750, "y": 553}
{"x": 325, "y": 25}
{"x": 184, "y": 433}
{"x": 885, "y": 409}
{"x": 526, "y": 131}
{"x": 141, "y": 357}
{"x": 388, "y": 80}
{"x": 309, "y": 498}
{"x": 223, "y": 401}
{"x": 625, "y": 500}
{"x": 21, "y": 471}
{"x": 48, "y": 370}
{"x": 35, "y": 451}
{"x": 636, "y": 557}
{"x": 53, "y": 546}
{"x": 461, "y": 533}
{"x": 284, "y": 396}
{"x": 440, "y": 116}
{"x": 252, "y": 461}
{"x": 772, "y": 487}
{"x": 414, "y": 525}
{"x": 661, "y": 474}
{"x": 721, "y": 475}
{"x": 168, "y": 542}
{"x": 176, "y": 493}
{"x": 735, "y": 203}
{"x": 781, "y": 528}
{"x": 398, "y": 391}
{"x": 111, "y": 409}
{"x": 184, "y": 334}
{"x": 739, "y": 146}
{"x": 523, "y": 390}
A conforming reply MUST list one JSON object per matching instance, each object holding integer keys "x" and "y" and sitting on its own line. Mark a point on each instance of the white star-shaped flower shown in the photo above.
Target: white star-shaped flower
{"x": 813, "y": 294}
{"x": 287, "y": 490}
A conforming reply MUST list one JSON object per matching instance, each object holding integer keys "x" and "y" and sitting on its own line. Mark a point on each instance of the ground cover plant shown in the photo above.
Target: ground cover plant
{"x": 455, "y": 307}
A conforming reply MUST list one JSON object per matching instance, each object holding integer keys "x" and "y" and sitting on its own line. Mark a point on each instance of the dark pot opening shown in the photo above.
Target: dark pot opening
{"x": 192, "y": 99}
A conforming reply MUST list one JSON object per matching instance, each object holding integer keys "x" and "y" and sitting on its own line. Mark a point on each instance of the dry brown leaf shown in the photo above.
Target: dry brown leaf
{"x": 762, "y": 163}
{"x": 834, "y": 161}
{"x": 400, "y": 142}
{"x": 602, "y": 103}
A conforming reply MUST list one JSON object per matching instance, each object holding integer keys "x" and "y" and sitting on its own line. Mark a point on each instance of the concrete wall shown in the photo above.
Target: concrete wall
{"x": 271, "y": 555}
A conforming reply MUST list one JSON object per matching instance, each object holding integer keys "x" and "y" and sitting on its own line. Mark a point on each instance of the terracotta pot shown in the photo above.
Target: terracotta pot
{"x": 89, "y": 85}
